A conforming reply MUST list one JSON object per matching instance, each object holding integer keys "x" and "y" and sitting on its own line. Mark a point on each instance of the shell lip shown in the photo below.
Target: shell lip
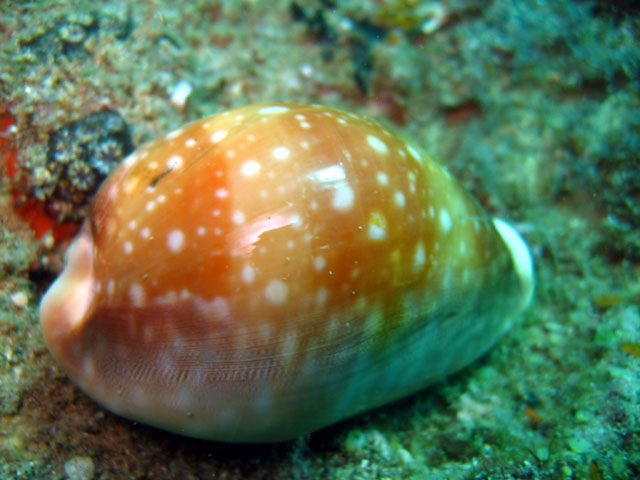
{"x": 69, "y": 300}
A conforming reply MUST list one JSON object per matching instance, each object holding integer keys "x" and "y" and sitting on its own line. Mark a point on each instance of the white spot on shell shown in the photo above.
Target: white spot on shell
{"x": 276, "y": 292}
{"x": 377, "y": 226}
{"x": 175, "y": 161}
{"x": 131, "y": 159}
{"x": 321, "y": 296}
{"x": 414, "y": 153}
{"x": 377, "y": 144}
{"x": 136, "y": 295}
{"x": 281, "y": 153}
{"x": 250, "y": 168}
{"x": 219, "y": 135}
{"x": 222, "y": 193}
{"x": 343, "y": 198}
{"x": 248, "y": 274}
{"x": 173, "y": 134}
{"x": 272, "y": 109}
{"x": 200, "y": 231}
{"x": 168, "y": 298}
{"x": 128, "y": 247}
{"x": 319, "y": 263}
{"x": 113, "y": 192}
{"x": 376, "y": 232}
{"x": 334, "y": 173}
{"x": 398, "y": 197}
{"x": 382, "y": 178}
{"x": 175, "y": 240}
{"x": 419, "y": 257}
{"x": 238, "y": 217}
{"x": 220, "y": 306}
{"x": 190, "y": 142}
{"x": 145, "y": 233}
{"x": 296, "y": 221}
{"x": 445, "y": 220}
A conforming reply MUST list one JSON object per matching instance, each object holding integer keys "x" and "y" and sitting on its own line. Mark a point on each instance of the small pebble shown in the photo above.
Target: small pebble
{"x": 20, "y": 299}
{"x": 180, "y": 93}
{"x": 435, "y": 14}
{"x": 79, "y": 468}
{"x": 579, "y": 444}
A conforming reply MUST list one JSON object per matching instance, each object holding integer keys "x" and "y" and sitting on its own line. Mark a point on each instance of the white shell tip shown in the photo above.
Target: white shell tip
{"x": 521, "y": 256}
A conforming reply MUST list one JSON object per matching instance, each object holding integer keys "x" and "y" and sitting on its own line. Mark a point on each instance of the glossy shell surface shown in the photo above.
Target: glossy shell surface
{"x": 270, "y": 270}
